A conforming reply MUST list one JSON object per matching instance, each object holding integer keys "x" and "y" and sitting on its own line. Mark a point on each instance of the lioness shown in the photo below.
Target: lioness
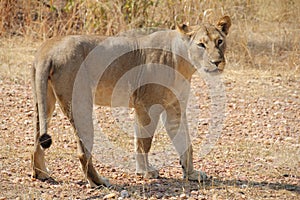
{"x": 59, "y": 61}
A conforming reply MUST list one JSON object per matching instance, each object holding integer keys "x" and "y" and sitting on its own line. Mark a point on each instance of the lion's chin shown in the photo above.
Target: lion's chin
{"x": 214, "y": 71}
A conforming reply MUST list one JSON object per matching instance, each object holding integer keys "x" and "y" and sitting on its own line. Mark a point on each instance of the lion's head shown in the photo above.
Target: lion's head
{"x": 210, "y": 41}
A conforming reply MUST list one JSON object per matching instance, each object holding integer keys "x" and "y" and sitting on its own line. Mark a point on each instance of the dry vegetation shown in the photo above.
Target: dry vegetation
{"x": 258, "y": 154}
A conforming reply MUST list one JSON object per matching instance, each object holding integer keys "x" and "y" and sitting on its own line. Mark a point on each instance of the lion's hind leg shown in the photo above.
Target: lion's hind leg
{"x": 89, "y": 171}
{"x": 84, "y": 154}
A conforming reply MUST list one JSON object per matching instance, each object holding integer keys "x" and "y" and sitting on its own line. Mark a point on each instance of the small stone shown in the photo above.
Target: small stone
{"x": 159, "y": 195}
{"x": 124, "y": 194}
{"x": 201, "y": 197}
{"x": 183, "y": 196}
{"x": 110, "y": 196}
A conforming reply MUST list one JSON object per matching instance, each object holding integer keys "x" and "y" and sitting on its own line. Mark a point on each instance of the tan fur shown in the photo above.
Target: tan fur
{"x": 58, "y": 61}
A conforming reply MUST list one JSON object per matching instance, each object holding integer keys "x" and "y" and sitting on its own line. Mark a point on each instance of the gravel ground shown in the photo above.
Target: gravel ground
{"x": 256, "y": 157}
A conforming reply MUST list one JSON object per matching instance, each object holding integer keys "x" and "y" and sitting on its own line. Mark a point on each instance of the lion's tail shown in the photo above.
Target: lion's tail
{"x": 40, "y": 74}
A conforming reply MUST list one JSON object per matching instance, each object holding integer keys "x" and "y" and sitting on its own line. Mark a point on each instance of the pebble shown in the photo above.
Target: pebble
{"x": 194, "y": 192}
{"x": 183, "y": 196}
{"x": 159, "y": 195}
{"x": 110, "y": 196}
{"x": 124, "y": 194}
{"x": 201, "y": 197}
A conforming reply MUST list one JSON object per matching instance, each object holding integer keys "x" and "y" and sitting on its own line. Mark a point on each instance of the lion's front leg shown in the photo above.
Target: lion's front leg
{"x": 186, "y": 162}
{"x": 143, "y": 166}
{"x": 145, "y": 125}
{"x": 177, "y": 129}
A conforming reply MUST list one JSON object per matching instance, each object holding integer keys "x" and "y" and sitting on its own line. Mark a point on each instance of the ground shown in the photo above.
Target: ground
{"x": 256, "y": 157}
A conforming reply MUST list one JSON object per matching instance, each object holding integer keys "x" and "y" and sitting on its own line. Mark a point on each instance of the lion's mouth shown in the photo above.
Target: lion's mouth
{"x": 216, "y": 67}
{"x": 216, "y": 70}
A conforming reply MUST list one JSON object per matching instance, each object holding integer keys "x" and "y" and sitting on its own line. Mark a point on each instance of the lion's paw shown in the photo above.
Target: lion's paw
{"x": 99, "y": 181}
{"x": 39, "y": 174}
{"x": 196, "y": 176}
{"x": 150, "y": 173}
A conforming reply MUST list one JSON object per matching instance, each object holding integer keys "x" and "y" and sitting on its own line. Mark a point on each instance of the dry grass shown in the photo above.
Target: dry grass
{"x": 265, "y": 34}
{"x": 257, "y": 156}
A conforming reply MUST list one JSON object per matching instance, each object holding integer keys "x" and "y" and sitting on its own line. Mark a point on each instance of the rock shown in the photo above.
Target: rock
{"x": 110, "y": 196}
{"x": 124, "y": 194}
{"x": 183, "y": 196}
{"x": 159, "y": 195}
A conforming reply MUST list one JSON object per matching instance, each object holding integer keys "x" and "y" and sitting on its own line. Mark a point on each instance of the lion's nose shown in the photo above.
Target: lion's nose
{"x": 216, "y": 63}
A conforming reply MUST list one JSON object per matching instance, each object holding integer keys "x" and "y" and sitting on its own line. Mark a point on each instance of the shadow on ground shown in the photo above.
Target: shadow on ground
{"x": 169, "y": 187}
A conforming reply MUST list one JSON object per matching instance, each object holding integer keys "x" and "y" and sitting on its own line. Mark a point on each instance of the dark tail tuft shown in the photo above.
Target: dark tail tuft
{"x": 45, "y": 141}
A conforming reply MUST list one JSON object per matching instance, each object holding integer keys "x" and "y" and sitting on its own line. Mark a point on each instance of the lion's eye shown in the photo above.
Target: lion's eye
{"x": 220, "y": 41}
{"x": 202, "y": 45}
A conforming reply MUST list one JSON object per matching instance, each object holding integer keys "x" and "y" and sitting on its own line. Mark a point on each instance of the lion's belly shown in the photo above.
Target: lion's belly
{"x": 121, "y": 96}
{"x": 107, "y": 95}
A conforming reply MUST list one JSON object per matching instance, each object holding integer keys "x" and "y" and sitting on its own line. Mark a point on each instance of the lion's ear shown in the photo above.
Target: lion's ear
{"x": 182, "y": 28}
{"x": 185, "y": 30}
{"x": 224, "y": 24}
